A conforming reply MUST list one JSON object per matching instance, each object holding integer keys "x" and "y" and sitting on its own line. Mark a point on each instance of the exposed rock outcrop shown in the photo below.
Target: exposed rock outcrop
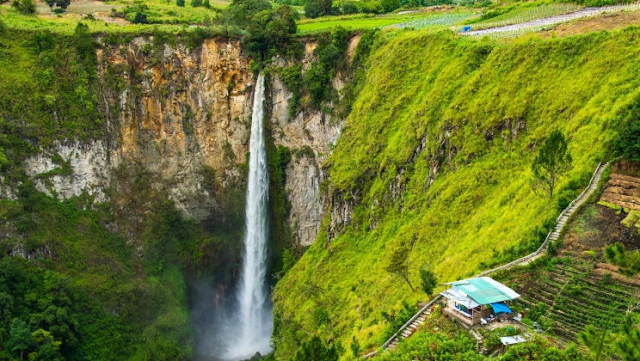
{"x": 310, "y": 136}
{"x": 183, "y": 117}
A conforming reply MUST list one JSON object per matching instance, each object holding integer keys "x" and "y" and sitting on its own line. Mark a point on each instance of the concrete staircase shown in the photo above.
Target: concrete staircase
{"x": 407, "y": 332}
{"x": 564, "y": 217}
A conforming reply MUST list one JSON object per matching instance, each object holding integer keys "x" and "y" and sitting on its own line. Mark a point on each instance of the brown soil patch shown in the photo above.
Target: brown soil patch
{"x": 598, "y": 232}
{"x": 622, "y": 190}
{"x": 600, "y": 272}
{"x": 597, "y": 23}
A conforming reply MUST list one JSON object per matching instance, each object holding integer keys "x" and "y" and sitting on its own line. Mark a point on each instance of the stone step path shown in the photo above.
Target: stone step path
{"x": 553, "y": 20}
{"x": 564, "y": 217}
{"x": 409, "y": 330}
{"x": 412, "y": 325}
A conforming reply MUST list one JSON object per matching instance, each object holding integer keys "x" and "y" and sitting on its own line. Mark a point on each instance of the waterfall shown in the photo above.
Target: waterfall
{"x": 254, "y": 313}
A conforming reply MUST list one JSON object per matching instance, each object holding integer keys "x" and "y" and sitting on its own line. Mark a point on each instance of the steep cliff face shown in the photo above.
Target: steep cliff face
{"x": 179, "y": 113}
{"x": 182, "y": 117}
{"x": 311, "y": 136}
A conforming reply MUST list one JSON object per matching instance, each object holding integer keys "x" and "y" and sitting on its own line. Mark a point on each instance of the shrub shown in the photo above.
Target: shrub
{"x": 349, "y": 7}
{"x": 629, "y": 262}
{"x": 317, "y": 8}
{"x": 315, "y": 349}
{"x": 627, "y": 143}
{"x": 63, "y": 4}
{"x": 180, "y": 3}
{"x": 553, "y": 161}
{"x": 140, "y": 18}
{"x": 25, "y": 7}
{"x": 390, "y": 5}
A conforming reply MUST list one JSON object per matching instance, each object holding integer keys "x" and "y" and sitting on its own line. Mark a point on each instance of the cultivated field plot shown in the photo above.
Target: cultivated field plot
{"x": 163, "y": 13}
{"x": 571, "y": 296}
{"x": 363, "y": 21}
{"x": 548, "y": 22}
{"x": 82, "y": 7}
{"x": 523, "y": 14}
{"x": 443, "y": 20}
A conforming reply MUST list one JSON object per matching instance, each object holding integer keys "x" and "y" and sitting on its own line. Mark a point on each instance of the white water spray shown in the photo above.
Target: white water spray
{"x": 254, "y": 320}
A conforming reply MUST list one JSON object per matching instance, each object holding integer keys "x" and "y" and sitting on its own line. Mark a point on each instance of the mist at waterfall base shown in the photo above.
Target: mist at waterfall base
{"x": 238, "y": 324}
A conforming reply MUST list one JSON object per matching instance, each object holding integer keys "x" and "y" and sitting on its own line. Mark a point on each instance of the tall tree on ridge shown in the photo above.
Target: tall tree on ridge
{"x": 553, "y": 161}
{"x": 399, "y": 263}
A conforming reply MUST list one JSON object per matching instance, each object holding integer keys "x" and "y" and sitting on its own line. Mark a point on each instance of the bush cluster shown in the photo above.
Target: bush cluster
{"x": 266, "y": 31}
{"x": 316, "y": 81}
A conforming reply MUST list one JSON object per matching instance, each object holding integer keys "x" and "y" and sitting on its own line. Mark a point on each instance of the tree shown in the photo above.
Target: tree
{"x": 628, "y": 341}
{"x": 51, "y": 3}
{"x": 140, "y": 18}
{"x": 19, "y": 337}
{"x": 390, "y": 5}
{"x": 3, "y": 158}
{"x": 596, "y": 340}
{"x": 282, "y": 26}
{"x": 428, "y": 280}
{"x": 553, "y": 161}
{"x": 316, "y": 350}
{"x": 48, "y": 348}
{"x": 196, "y": 3}
{"x": 25, "y": 7}
{"x": 85, "y": 46}
{"x": 63, "y": 4}
{"x": 180, "y": 3}
{"x": 317, "y": 8}
{"x": 627, "y": 143}
{"x": 349, "y": 7}
{"x": 355, "y": 346}
{"x": 399, "y": 263}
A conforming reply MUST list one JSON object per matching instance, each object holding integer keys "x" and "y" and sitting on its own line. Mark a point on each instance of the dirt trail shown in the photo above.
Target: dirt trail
{"x": 541, "y": 23}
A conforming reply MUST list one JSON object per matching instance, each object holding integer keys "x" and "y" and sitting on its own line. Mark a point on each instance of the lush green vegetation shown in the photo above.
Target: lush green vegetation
{"x": 437, "y": 152}
{"x": 495, "y": 15}
{"x": 86, "y": 288}
{"x": 451, "y": 342}
{"x": 629, "y": 262}
{"x": 363, "y": 21}
{"x": 51, "y": 82}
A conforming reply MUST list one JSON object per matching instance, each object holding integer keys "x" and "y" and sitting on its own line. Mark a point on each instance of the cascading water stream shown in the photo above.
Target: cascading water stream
{"x": 254, "y": 313}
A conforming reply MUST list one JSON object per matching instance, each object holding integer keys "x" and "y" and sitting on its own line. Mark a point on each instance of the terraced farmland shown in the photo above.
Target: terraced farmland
{"x": 574, "y": 296}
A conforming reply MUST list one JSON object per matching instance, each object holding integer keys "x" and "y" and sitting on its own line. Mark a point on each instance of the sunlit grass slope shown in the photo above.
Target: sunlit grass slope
{"x": 481, "y": 108}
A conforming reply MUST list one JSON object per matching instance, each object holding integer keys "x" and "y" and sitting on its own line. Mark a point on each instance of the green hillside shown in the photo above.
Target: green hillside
{"x": 470, "y": 113}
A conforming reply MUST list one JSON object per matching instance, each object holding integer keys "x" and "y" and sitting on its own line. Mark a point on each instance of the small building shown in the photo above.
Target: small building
{"x": 478, "y": 300}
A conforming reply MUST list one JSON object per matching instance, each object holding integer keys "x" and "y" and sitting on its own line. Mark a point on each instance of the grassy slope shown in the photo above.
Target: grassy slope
{"x": 572, "y": 285}
{"x": 422, "y": 85}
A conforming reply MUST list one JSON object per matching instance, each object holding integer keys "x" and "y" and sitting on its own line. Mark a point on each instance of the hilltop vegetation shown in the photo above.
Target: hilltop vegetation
{"x": 437, "y": 153}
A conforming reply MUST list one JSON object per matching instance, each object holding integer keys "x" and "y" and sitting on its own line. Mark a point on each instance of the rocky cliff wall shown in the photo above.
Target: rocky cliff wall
{"x": 182, "y": 116}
